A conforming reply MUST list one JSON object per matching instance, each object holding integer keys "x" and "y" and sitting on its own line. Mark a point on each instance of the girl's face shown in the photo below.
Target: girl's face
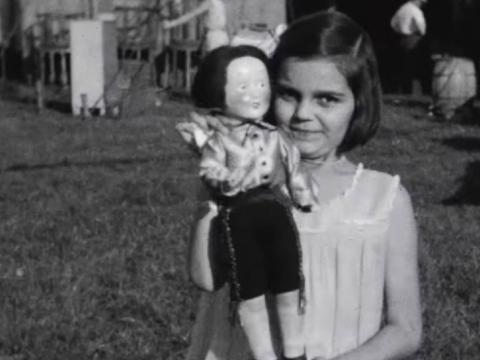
{"x": 314, "y": 103}
{"x": 247, "y": 91}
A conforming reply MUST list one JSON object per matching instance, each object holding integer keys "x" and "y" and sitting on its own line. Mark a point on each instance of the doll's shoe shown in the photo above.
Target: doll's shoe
{"x": 303, "y": 357}
{"x": 306, "y": 209}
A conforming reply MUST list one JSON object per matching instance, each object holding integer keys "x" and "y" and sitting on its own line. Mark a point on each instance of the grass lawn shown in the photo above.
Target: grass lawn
{"x": 94, "y": 222}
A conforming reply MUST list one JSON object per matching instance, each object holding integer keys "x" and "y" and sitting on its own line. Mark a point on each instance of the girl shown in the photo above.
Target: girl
{"x": 360, "y": 244}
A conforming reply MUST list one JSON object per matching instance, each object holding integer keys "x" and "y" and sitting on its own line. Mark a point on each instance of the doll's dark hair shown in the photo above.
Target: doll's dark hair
{"x": 334, "y": 36}
{"x": 208, "y": 88}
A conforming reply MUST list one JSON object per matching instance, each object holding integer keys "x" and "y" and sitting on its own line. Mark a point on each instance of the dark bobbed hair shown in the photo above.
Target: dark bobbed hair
{"x": 336, "y": 37}
{"x": 208, "y": 88}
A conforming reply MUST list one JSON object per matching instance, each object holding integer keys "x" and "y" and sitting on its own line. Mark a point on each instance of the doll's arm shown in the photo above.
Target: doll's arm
{"x": 199, "y": 129}
{"x": 213, "y": 169}
{"x": 227, "y": 165}
{"x": 302, "y": 188}
{"x": 193, "y": 134}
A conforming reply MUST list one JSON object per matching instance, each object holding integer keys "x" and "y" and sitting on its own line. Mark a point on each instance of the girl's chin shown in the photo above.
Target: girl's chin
{"x": 313, "y": 151}
{"x": 304, "y": 136}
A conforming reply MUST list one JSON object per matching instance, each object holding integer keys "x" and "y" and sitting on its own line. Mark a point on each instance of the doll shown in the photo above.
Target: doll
{"x": 245, "y": 162}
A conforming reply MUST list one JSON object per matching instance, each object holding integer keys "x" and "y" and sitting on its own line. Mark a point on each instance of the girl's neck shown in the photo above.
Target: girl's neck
{"x": 331, "y": 159}
{"x": 334, "y": 176}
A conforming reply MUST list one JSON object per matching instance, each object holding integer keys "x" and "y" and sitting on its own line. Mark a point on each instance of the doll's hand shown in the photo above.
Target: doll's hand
{"x": 303, "y": 194}
{"x": 236, "y": 177}
{"x": 215, "y": 176}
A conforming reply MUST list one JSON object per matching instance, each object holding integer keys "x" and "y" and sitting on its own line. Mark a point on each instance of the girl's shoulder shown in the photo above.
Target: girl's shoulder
{"x": 374, "y": 192}
{"x": 375, "y": 178}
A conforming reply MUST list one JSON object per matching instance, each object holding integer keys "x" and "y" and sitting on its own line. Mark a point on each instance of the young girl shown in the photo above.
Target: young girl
{"x": 360, "y": 243}
{"x": 244, "y": 164}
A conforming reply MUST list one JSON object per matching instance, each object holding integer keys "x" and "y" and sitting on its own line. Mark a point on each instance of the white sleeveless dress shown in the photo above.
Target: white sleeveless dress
{"x": 344, "y": 248}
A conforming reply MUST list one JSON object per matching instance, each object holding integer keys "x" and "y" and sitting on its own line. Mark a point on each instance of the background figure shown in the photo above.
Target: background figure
{"x": 450, "y": 31}
{"x": 245, "y": 12}
{"x": 238, "y": 22}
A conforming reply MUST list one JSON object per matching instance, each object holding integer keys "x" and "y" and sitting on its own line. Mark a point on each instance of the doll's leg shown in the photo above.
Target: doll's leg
{"x": 285, "y": 279}
{"x": 255, "y": 322}
{"x": 249, "y": 282}
{"x": 291, "y": 324}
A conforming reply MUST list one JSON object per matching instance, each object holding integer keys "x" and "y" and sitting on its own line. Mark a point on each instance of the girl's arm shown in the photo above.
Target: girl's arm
{"x": 199, "y": 255}
{"x": 401, "y": 334}
{"x": 206, "y": 253}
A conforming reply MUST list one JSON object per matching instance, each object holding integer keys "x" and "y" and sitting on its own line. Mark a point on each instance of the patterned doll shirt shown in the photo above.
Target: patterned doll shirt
{"x": 248, "y": 156}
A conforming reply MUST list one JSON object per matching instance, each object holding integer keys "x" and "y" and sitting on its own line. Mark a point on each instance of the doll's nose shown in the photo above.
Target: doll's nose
{"x": 258, "y": 94}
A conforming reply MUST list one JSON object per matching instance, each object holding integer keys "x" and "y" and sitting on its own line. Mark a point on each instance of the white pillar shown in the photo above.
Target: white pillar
{"x": 94, "y": 62}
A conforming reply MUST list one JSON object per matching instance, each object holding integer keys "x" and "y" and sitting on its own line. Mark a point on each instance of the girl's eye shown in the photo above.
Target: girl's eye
{"x": 261, "y": 85}
{"x": 243, "y": 87}
{"x": 326, "y": 100}
{"x": 286, "y": 95}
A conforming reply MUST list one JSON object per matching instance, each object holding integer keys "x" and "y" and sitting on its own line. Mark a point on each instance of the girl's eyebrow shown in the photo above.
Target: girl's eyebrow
{"x": 286, "y": 88}
{"x": 316, "y": 94}
{"x": 322, "y": 93}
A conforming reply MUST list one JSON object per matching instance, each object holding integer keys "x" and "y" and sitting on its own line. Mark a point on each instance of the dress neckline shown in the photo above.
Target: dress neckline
{"x": 345, "y": 193}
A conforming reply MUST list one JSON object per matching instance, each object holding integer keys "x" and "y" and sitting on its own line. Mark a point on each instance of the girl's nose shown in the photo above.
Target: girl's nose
{"x": 304, "y": 110}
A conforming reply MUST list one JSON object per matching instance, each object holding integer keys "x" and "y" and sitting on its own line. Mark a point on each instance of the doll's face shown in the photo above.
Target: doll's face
{"x": 247, "y": 91}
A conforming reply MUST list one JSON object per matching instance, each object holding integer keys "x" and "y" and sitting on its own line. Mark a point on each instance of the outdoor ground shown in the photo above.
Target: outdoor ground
{"x": 94, "y": 219}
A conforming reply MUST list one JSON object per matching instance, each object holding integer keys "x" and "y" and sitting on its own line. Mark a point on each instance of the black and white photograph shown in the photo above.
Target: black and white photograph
{"x": 239, "y": 180}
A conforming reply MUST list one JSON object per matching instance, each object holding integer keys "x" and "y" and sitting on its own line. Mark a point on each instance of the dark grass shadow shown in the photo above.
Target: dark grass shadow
{"x": 109, "y": 163}
{"x": 463, "y": 143}
{"x": 421, "y": 102}
{"x": 467, "y": 114}
{"x": 59, "y": 106}
{"x": 469, "y": 191}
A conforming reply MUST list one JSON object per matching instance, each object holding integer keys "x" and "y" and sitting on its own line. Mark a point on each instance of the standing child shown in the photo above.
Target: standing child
{"x": 245, "y": 162}
{"x": 360, "y": 242}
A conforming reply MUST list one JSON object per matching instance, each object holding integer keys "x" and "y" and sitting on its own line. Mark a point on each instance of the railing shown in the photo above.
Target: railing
{"x": 167, "y": 57}
{"x": 52, "y": 38}
{"x": 138, "y": 31}
{"x": 184, "y": 42}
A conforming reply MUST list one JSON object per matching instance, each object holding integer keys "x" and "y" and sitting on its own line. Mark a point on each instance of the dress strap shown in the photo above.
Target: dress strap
{"x": 372, "y": 195}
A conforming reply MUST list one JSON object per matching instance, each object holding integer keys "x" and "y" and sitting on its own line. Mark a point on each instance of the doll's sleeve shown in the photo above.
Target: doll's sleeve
{"x": 213, "y": 169}
{"x": 300, "y": 185}
{"x": 193, "y": 134}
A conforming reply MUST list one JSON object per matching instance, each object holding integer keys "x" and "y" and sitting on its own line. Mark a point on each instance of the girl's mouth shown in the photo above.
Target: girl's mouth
{"x": 304, "y": 130}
